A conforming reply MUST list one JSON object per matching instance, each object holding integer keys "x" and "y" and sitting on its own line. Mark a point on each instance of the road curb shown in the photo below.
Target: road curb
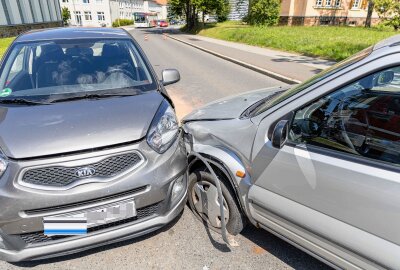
{"x": 263, "y": 71}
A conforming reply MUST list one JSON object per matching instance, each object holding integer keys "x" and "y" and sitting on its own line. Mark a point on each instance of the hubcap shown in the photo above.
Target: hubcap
{"x": 206, "y": 203}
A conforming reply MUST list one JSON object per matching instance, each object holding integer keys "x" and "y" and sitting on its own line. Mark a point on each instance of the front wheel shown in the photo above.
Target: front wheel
{"x": 203, "y": 200}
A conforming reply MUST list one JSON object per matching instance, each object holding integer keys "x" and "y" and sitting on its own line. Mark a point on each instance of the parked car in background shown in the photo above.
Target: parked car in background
{"x": 163, "y": 23}
{"x": 90, "y": 145}
{"x": 317, "y": 164}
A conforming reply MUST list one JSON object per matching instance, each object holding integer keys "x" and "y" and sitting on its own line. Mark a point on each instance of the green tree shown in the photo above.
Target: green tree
{"x": 263, "y": 12}
{"x": 389, "y": 12}
{"x": 191, "y": 9}
{"x": 66, "y": 15}
{"x": 223, "y": 10}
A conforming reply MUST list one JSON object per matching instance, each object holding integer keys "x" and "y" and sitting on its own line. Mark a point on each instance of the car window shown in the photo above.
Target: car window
{"x": 315, "y": 79}
{"x": 361, "y": 119}
{"x": 16, "y": 66}
{"x": 71, "y": 67}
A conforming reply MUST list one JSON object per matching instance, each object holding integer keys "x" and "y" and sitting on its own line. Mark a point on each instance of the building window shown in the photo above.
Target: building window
{"x": 328, "y": 3}
{"x": 86, "y": 2}
{"x": 337, "y": 3}
{"x": 78, "y": 17}
{"x": 100, "y": 16}
{"x": 356, "y": 4}
{"x": 318, "y": 3}
{"x": 99, "y": 1}
{"x": 88, "y": 15}
{"x": 65, "y": 1}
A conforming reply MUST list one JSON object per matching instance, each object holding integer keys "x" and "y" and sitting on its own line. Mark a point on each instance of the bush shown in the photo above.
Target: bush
{"x": 263, "y": 12}
{"x": 223, "y": 11}
{"x": 122, "y": 22}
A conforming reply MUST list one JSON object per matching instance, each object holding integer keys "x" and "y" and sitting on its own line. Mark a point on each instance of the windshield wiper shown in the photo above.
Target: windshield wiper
{"x": 91, "y": 96}
{"x": 22, "y": 101}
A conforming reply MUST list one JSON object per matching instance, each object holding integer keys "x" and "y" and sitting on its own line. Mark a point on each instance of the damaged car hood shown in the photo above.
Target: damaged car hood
{"x": 230, "y": 107}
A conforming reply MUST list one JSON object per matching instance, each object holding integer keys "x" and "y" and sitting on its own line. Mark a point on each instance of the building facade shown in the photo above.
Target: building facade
{"x": 17, "y": 16}
{"x": 239, "y": 9}
{"x": 95, "y": 13}
{"x": 325, "y": 12}
{"x": 314, "y": 12}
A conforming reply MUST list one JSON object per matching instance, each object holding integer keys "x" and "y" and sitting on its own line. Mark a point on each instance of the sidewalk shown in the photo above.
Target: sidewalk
{"x": 287, "y": 67}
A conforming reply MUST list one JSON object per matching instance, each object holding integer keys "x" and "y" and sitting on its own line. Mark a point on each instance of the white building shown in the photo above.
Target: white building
{"x": 239, "y": 9}
{"x": 94, "y": 13}
{"x": 17, "y": 16}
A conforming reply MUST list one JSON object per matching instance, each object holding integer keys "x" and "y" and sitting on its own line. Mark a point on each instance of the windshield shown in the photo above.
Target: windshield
{"x": 140, "y": 18}
{"x": 49, "y": 69}
{"x": 317, "y": 78}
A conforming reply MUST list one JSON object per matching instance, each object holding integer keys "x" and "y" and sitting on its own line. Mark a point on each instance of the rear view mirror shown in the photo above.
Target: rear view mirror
{"x": 170, "y": 76}
{"x": 280, "y": 134}
{"x": 385, "y": 77}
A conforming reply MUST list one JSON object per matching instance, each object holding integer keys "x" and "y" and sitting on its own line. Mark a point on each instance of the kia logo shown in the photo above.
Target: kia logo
{"x": 85, "y": 172}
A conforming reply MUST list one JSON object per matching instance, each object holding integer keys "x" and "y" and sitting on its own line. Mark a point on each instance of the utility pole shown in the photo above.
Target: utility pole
{"x": 119, "y": 13}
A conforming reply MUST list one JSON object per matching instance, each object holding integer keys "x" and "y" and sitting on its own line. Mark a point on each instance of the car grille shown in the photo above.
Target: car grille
{"x": 40, "y": 237}
{"x": 59, "y": 176}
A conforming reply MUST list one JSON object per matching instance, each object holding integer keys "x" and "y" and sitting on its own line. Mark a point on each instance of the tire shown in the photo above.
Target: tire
{"x": 235, "y": 222}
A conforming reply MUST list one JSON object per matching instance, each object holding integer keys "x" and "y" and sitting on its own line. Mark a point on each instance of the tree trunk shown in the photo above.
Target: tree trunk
{"x": 249, "y": 10}
{"x": 187, "y": 13}
{"x": 371, "y": 6}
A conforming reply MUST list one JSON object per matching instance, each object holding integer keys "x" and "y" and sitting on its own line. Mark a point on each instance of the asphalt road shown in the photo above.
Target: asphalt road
{"x": 186, "y": 243}
{"x": 204, "y": 77}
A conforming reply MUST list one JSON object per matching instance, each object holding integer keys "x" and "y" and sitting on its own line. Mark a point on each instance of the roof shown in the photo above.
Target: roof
{"x": 162, "y": 2}
{"x": 72, "y": 33}
{"x": 392, "y": 41}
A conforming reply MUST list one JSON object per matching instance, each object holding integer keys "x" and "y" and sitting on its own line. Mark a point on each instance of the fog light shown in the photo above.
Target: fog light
{"x": 178, "y": 188}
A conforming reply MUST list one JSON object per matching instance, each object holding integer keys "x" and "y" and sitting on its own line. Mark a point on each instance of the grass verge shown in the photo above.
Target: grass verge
{"x": 329, "y": 42}
{"x": 4, "y": 43}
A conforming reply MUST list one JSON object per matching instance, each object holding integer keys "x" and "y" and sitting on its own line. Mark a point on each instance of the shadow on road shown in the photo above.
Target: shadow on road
{"x": 285, "y": 252}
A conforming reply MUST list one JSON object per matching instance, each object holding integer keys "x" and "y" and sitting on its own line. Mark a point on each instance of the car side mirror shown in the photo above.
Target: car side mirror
{"x": 385, "y": 77}
{"x": 170, "y": 76}
{"x": 280, "y": 134}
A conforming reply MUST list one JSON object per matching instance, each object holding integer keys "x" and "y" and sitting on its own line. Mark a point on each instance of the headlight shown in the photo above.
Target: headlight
{"x": 164, "y": 129}
{"x": 3, "y": 164}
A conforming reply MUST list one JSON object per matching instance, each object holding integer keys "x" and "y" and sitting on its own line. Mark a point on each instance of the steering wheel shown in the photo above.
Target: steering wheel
{"x": 80, "y": 61}
{"x": 310, "y": 127}
{"x": 342, "y": 125}
{"x": 119, "y": 70}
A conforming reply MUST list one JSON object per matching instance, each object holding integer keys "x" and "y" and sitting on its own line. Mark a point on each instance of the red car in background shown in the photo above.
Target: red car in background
{"x": 163, "y": 24}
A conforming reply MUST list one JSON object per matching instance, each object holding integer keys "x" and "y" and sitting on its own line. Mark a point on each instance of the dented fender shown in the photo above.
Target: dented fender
{"x": 198, "y": 138}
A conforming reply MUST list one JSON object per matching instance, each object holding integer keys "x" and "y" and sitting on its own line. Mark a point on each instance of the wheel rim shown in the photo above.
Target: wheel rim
{"x": 205, "y": 201}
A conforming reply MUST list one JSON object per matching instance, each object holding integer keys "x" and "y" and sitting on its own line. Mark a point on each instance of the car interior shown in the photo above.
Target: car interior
{"x": 54, "y": 64}
{"x": 361, "y": 118}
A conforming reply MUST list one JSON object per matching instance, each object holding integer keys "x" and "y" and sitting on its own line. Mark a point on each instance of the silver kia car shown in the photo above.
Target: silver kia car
{"x": 317, "y": 164}
{"x": 90, "y": 145}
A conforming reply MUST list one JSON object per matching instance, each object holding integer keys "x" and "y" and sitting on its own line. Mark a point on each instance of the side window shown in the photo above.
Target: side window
{"x": 361, "y": 119}
{"x": 17, "y": 65}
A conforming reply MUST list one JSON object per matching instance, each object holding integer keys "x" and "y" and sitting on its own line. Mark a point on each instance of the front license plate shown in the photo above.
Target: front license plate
{"x": 77, "y": 223}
